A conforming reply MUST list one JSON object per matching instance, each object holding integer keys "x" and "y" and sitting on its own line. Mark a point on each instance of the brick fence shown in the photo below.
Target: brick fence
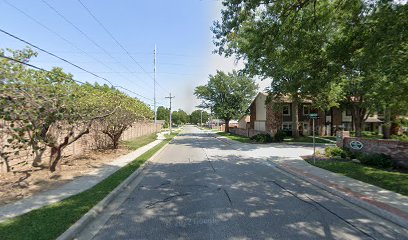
{"x": 397, "y": 150}
{"x": 94, "y": 140}
{"x": 246, "y": 132}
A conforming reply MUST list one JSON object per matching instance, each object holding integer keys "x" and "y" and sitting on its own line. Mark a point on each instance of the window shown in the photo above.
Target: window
{"x": 287, "y": 126}
{"x": 286, "y": 110}
{"x": 306, "y": 110}
{"x": 348, "y": 112}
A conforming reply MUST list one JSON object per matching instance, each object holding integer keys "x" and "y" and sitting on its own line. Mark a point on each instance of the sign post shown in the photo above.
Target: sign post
{"x": 314, "y": 116}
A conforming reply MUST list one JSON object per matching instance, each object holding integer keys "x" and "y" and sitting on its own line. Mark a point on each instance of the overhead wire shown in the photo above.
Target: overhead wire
{"x": 116, "y": 41}
{"x": 87, "y": 37}
{"x": 57, "y": 34}
{"x": 77, "y": 81}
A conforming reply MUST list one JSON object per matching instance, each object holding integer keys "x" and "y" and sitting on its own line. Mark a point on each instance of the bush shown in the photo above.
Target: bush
{"x": 279, "y": 136}
{"x": 403, "y": 138}
{"x": 335, "y": 152}
{"x": 376, "y": 160}
{"x": 262, "y": 138}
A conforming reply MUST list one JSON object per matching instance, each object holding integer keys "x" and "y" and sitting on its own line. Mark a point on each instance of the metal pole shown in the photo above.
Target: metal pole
{"x": 170, "y": 97}
{"x": 314, "y": 146}
{"x": 154, "y": 86}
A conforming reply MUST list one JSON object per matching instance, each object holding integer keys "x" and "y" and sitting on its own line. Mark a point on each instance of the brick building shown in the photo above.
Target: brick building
{"x": 273, "y": 116}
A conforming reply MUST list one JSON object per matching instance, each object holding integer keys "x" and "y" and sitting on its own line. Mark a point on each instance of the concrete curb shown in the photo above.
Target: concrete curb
{"x": 83, "y": 222}
{"x": 363, "y": 204}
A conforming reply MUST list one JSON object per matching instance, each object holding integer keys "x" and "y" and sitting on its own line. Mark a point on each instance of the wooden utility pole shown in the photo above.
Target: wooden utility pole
{"x": 170, "y": 97}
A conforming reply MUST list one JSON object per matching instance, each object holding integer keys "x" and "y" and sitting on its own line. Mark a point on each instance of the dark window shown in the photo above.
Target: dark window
{"x": 348, "y": 112}
{"x": 286, "y": 110}
{"x": 306, "y": 109}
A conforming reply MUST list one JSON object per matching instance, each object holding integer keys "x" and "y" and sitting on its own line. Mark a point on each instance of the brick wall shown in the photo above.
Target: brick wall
{"x": 245, "y": 132}
{"x": 94, "y": 140}
{"x": 273, "y": 119}
{"x": 397, "y": 150}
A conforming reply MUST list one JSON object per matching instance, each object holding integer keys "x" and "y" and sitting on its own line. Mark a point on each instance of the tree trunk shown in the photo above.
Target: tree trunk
{"x": 38, "y": 157}
{"x": 295, "y": 118}
{"x": 55, "y": 158}
{"x": 358, "y": 119}
{"x": 115, "y": 141}
{"x": 387, "y": 124}
{"x": 226, "y": 125}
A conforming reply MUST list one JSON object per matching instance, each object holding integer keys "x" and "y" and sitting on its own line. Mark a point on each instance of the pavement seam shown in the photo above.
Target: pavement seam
{"x": 92, "y": 214}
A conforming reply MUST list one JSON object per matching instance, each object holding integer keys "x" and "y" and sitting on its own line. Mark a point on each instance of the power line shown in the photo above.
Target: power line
{"x": 84, "y": 34}
{"x": 77, "y": 81}
{"x": 57, "y": 34}
{"x": 114, "y": 39}
{"x": 52, "y": 54}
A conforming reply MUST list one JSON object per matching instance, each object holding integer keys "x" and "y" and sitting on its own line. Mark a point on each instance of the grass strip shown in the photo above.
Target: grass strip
{"x": 138, "y": 142}
{"x": 51, "y": 221}
{"x": 390, "y": 180}
{"x": 235, "y": 137}
{"x": 305, "y": 140}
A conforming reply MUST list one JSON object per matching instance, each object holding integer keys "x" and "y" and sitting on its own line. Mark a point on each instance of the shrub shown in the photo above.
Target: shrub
{"x": 403, "y": 138}
{"x": 279, "y": 136}
{"x": 376, "y": 160}
{"x": 262, "y": 138}
{"x": 335, "y": 152}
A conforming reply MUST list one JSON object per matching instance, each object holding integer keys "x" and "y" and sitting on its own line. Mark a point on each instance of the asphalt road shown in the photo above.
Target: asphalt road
{"x": 199, "y": 187}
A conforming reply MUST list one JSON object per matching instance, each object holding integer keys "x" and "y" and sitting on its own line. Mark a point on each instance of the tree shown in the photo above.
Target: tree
{"x": 280, "y": 40}
{"x": 126, "y": 111}
{"x": 163, "y": 114}
{"x": 326, "y": 51}
{"x": 228, "y": 94}
{"x": 195, "y": 116}
{"x": 179, "y": 117}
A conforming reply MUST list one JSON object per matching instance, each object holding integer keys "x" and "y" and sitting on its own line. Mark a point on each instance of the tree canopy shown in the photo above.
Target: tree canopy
{"x": 228, "y": 95}
{"x": 49, "y": 109}
{"x": 336, "y": 53}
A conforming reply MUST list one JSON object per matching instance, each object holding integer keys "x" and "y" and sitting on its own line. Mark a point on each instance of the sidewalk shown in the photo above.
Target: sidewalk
{"x": 387, "y": 204}
{"x": 76, "y": 186}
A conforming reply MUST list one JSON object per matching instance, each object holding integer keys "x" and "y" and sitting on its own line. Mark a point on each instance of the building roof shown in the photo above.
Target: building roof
{"x": 246, "y": 118}
{"x": 373, "y": 120}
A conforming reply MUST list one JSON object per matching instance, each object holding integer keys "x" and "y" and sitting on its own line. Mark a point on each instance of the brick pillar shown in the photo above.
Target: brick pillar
{"x": 340, "y": 135}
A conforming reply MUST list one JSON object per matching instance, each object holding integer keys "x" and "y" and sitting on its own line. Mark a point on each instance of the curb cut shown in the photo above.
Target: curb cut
{"x": 84, "y": 221}
{"x": 367, "y": 206}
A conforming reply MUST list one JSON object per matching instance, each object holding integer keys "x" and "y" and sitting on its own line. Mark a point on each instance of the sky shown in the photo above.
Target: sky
{"x": 180, "y": 30}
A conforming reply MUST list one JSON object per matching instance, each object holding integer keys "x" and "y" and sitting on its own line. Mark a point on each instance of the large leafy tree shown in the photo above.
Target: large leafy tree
{"x": 195, "y": 116}
{"x": 48, "y": 109}
{"x": 163, "y": 113}
{"x": 322, "y": 50}
{"x": 125, "y": 112}
{"x": 229, "y": 94}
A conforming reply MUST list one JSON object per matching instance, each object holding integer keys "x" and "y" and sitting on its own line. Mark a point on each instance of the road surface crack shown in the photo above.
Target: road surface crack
{"x": 228, "y": 196}
{"x": 167, "y": 199}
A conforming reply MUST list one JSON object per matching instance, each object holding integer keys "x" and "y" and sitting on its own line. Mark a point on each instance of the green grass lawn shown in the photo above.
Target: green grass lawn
{"x": 235, "y": 137}
{"x": 136, "y": 143}
{"x": 304, "y": 140}
{"x": 51, "y": 221}
{"x": 333, "y": 138}
{"x": 393, "y": 181}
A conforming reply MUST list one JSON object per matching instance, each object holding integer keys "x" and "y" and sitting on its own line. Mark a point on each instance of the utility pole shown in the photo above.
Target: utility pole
{"x": 154, "y": 86}
{"x": 170, "y": 97}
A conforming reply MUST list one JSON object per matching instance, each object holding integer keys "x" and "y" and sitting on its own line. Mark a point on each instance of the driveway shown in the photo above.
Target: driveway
{"x": 200, "y": 187}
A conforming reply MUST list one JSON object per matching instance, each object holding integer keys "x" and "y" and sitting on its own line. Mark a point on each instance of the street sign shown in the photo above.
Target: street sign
{"x": 313, "y": 116}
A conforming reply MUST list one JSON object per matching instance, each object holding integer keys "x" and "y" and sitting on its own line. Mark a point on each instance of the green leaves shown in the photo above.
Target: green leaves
{"x": 43, "y": 108}
{"x": 228, "y": 95}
